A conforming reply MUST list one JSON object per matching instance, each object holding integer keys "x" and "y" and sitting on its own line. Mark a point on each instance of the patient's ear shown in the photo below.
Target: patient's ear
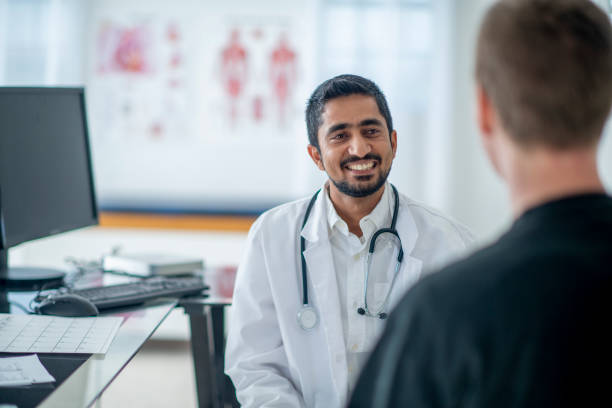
{"x": 489, "y": 128}
{"x": 485, "y": 112}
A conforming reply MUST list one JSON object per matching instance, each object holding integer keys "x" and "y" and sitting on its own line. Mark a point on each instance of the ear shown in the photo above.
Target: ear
{"x": 394, "y": 142}
{"x": 485, "y": 112}
{"x": 315, "y": 155}
{"x": 487, "y": 122}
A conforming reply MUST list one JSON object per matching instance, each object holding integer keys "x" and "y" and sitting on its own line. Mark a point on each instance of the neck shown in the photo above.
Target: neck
{"x": 353, "y": 209}
{"x": 539, "y": 175}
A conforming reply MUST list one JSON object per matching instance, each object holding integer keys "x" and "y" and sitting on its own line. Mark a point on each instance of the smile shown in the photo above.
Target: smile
{"x": 361, "y": 166}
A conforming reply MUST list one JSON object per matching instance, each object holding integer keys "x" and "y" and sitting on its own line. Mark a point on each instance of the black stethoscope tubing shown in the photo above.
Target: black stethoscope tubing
{"x": 390, "y": 230}
{"x": 303, "y": 248}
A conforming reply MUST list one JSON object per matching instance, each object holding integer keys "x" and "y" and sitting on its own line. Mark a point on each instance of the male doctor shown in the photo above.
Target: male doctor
{"x": 319, "y": 275}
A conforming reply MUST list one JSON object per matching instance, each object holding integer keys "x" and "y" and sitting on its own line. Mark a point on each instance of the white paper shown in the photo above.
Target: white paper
{"x": 52, "y": 334}
{"x": 24, "y": 370}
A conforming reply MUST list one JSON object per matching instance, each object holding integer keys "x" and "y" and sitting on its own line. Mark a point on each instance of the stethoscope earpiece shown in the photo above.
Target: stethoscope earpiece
{"x": 361, "y": 311}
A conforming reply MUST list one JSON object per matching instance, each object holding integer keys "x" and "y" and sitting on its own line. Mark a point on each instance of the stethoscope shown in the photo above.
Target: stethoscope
{"x": 307, "y": 316}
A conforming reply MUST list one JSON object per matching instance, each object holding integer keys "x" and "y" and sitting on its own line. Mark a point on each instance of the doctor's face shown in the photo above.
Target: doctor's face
{"x": 356, "y": 149}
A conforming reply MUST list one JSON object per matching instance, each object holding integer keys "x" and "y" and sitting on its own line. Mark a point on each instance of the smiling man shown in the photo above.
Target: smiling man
{"x": 320, "y": 274}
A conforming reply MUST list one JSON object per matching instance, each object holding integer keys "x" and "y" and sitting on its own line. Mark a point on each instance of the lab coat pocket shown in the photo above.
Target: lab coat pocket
{"x": 380, "y": 293}
{"x": 376, "y": 297}
{"x": 409, "y": 274}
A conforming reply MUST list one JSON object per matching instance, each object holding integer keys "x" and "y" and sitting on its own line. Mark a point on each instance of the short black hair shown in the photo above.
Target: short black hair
{"x": 547, "y": 67}
{"x": 338, "y": 86}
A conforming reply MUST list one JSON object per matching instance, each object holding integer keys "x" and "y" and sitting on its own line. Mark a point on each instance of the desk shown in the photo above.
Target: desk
{"x": 206, "y": 320}
{"x": 91, "y": 378}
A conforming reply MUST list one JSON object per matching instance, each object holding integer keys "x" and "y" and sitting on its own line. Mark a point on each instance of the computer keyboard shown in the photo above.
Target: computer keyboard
{"x": 133, "y": 293}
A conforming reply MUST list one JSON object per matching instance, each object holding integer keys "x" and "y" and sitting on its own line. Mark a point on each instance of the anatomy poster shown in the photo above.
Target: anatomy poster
{"x": 139, "y": 78}
{"x": 198, "y": 105}
{"x": 258, "y": 71}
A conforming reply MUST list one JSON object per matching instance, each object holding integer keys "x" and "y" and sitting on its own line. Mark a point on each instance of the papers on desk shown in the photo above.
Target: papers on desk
{"x": 25, "y": 370}
{"x": 52, "y": 334}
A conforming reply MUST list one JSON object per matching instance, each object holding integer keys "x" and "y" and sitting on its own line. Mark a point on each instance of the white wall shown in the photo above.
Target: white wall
{"x": 477, "y": 196}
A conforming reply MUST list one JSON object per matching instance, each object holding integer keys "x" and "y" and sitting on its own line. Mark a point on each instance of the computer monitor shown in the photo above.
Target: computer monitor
{"x": 46, "y": 178}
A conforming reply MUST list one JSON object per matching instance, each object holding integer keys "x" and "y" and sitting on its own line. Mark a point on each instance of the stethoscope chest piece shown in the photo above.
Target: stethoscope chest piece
{"x": 307, "y": 317}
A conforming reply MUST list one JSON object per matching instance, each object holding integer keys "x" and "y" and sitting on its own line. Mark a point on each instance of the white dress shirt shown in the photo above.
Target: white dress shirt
{"x": 349, "y": 256}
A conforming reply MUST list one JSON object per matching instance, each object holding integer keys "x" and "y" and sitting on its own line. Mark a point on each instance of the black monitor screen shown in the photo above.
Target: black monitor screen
{"x": 46, "y": 182}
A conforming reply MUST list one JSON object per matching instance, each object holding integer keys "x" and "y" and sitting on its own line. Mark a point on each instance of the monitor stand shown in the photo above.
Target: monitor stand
{"x": 28, "y": 278}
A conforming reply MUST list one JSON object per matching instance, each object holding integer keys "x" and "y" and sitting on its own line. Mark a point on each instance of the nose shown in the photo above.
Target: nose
{"x": 359, "y": 146}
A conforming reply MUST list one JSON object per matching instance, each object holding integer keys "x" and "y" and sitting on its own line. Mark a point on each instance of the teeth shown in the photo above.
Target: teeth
{"x": 361, "y": 166}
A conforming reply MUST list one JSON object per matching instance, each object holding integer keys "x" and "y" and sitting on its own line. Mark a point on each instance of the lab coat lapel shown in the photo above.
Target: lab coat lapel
{"x": 325, "y": 298}
{"x": 411, "y": 267}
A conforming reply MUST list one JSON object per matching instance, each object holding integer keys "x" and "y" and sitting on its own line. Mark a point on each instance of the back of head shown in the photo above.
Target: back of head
{"x": 336, "y": 87}
{"x": 546, "y": 65}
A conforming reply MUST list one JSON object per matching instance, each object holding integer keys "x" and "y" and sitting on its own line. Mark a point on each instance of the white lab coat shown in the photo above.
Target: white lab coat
{"x": 271, "y": 360}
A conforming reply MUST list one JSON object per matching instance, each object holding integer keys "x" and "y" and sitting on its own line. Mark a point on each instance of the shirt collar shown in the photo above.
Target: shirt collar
{"x": 378, "y": 218}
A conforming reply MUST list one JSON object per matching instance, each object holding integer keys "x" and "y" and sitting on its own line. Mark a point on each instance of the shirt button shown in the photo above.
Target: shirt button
{"x": 356, "y": 257}
{"x": 354, "y": 347}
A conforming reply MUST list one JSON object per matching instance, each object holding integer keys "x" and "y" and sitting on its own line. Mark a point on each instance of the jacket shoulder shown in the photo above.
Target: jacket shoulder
{"x": 430, "y": 218}
{"x": 281, "y": 216}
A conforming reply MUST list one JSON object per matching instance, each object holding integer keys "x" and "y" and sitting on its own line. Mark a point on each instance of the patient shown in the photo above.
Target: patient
{"x": 525, "y": 321}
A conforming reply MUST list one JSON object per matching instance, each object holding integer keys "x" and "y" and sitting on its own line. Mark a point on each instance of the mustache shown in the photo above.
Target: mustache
{"x": 369, "y": 156}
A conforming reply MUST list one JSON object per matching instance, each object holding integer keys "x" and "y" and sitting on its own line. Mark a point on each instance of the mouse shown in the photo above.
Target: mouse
{"x": 68, "y": 305}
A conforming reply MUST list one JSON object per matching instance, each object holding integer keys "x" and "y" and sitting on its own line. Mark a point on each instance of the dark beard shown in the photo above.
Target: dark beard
{"x": 355, "y": 191}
